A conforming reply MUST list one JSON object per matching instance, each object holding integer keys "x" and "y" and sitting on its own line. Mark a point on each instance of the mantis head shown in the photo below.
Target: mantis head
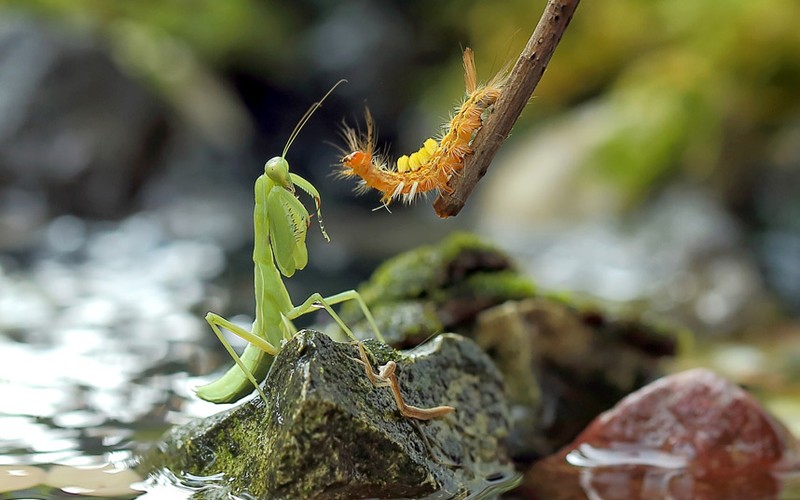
{"x": 277, "y": 169}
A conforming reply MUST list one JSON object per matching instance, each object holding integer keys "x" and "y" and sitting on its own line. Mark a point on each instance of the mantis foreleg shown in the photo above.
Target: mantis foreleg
{"x": 312, "y": 191}
{"x": 239, "y": 379}
{"x": 237, "y": 382}
{"x": 315, "y": 301}
{"x": 216, "y": 321}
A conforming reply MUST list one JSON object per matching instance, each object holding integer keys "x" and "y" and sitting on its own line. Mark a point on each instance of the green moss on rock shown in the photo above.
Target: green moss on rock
{"x": 418, "y": 272}
{"x": 437, "y": 288}
{"x": 326, "y": 432}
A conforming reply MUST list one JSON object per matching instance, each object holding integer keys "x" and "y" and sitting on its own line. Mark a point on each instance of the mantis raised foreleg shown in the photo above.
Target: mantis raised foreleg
{"x": 280, "y": 223}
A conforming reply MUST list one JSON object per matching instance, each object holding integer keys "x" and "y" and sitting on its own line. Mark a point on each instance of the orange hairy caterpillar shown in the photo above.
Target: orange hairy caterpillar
{"x": 435, "y": 162}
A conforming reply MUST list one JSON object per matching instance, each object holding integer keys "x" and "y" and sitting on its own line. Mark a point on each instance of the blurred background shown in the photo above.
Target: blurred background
{"x": 656, "y": 170}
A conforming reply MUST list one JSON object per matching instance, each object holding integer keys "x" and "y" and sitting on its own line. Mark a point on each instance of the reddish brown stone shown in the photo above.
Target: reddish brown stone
{"x": 698, "y": 416}
{"x": 691, "y": 435}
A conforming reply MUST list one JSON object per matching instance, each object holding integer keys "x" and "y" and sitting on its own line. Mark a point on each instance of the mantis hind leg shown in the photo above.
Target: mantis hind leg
{"x": 316, "y": 300}
{"x": 235, "y": 384}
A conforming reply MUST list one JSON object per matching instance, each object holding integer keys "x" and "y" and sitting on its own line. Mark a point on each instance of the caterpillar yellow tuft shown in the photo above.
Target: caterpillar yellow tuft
{"x": 430, "y": 167}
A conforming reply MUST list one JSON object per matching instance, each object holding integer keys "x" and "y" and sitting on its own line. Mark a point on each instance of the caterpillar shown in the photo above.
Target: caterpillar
{"x": 430, "y": 167}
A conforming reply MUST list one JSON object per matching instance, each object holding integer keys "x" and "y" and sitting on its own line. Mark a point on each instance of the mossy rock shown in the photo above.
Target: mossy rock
{"x": 563, "y": 362}
{"x": 327, "y": 432}
{"x": 437, "y": 288}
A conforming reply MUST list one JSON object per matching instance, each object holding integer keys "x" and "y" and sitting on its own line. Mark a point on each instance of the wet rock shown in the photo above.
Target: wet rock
{"x": 326, "y": 432}
{"x": 689, "y": 435}
{"x": 708, "y": 422}
{"x": 584, "y": 360}
{"x": 563, "y": 366}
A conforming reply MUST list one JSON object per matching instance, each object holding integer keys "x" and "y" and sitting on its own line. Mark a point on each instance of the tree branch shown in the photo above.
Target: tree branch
{"x": 524, "y": 78}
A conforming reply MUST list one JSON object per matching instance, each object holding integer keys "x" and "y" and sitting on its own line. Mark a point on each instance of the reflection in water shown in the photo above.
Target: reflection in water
{"x": 182, "y": 486}
{"x": 594, "y": 474}
{"x": 165, "y": 484}
{"x": 99, "y": 334}
{"x": 101, "y": 480}
{"x": 107, "y": 480}
{"x": 20, "y": 477}
{"x": 589, "y": 456}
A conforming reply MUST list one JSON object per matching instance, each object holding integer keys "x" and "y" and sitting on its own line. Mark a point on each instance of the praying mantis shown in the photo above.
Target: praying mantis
{"x": 280, "y": 223}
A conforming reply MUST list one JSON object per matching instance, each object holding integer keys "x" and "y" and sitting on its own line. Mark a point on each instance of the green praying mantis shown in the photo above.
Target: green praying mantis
{"x": 280, "y": 223}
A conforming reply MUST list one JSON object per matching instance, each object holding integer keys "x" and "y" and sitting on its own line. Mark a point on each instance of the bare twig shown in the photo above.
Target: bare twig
{"x": 525, "y": 75}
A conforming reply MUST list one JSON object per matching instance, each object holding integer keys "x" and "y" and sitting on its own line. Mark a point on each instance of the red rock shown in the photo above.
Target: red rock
{"x": 694, "y": 419}
{"x": 691, "y": 435}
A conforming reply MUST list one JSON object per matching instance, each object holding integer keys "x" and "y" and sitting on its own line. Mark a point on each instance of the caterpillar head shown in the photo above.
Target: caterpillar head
{"x": 358, "y": 161}
{"x": 361, "y": 145}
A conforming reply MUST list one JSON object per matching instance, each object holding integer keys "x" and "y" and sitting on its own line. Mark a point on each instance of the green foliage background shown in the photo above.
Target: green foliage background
{"x": 699, "y": 88}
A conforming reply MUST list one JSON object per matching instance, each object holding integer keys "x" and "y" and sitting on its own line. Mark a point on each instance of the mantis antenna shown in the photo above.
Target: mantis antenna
{"x": 306, "y": 116}
{"x": 297, "y": 128}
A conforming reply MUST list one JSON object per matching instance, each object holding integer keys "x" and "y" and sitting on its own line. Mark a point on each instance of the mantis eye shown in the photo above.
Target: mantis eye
{"x": 277, "y": 169}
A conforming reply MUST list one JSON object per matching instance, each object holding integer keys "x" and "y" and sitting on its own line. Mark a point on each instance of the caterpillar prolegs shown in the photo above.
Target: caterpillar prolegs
{"x": 435, "y": 162}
